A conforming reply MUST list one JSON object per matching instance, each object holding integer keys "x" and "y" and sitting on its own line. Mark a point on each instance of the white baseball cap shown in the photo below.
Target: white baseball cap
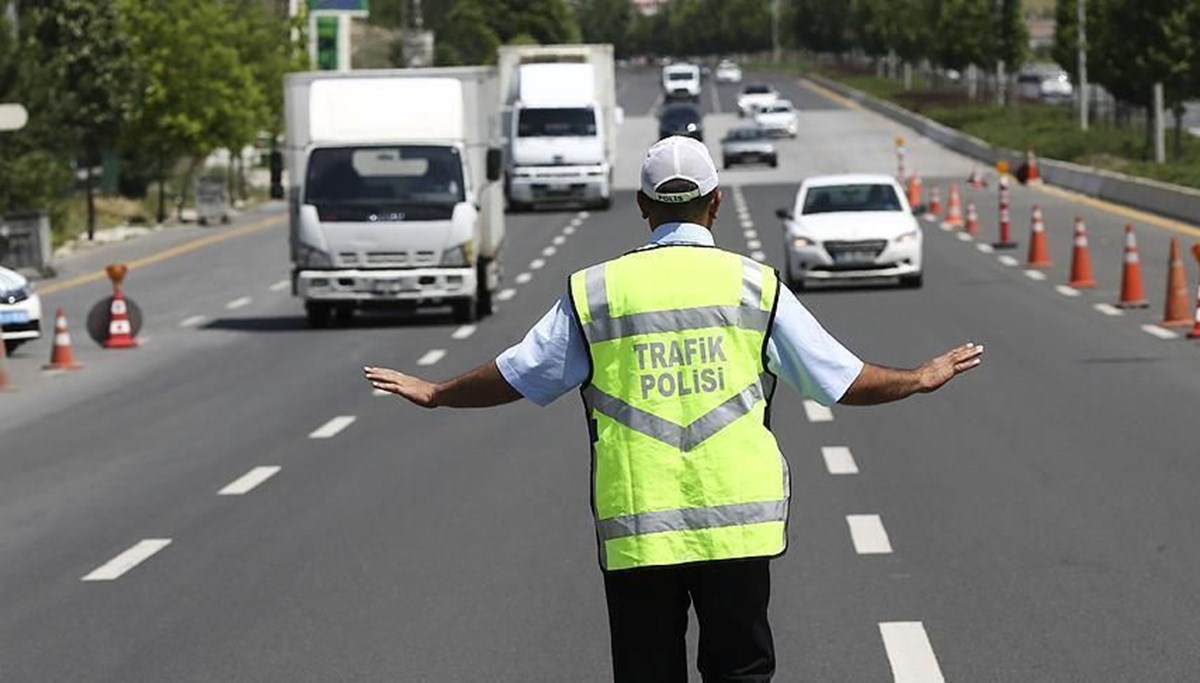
{"x": 678, "y": 158}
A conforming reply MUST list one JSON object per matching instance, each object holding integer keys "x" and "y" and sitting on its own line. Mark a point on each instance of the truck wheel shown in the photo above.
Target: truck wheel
{"x": 343, "y": 316}
{"x": 11, "y": 345}
{"x": 604, "y": 204}
{"x": 519, "y": 207}
{"x": 318, "y": 315}
{"x": 466, "y": 310}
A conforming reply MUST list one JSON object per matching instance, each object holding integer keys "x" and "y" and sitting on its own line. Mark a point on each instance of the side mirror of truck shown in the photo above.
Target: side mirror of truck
{"x": 276, "y": 164}
{"x": 495, "y": 164}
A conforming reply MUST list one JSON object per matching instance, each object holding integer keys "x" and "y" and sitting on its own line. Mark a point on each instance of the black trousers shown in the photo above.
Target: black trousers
{"x": 648, "y": 619}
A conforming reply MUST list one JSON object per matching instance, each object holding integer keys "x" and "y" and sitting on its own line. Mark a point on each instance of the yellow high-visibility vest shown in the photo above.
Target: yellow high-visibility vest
{"x": 684, "y": 467}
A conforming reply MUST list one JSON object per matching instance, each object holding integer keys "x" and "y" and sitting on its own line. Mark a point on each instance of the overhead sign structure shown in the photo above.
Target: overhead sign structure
{"x": 329, "y": 32}
{"x": 356, "y": 8}
{"x": 13, "y": 117}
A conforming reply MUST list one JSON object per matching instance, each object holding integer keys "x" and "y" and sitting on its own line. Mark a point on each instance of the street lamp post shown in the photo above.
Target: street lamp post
{"x": 1081, "y": 20}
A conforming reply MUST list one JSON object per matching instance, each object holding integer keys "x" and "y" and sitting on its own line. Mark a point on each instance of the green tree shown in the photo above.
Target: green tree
{"x": 471, "y": 30}
{"x": 87, "y": 61}
{"x": 607, "y": 21}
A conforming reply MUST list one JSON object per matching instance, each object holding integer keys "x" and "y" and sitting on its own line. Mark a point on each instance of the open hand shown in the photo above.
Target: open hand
{"x": 937, "y": 372}
{"x": 415, "y": 389}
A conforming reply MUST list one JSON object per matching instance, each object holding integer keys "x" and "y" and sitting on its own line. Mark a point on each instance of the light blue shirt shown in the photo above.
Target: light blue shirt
{"x": 553, "y": 357}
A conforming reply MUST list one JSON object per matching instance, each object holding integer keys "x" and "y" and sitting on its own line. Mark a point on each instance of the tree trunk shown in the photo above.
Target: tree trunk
{"x": 91, "y": 200}
{"x": 1177, "y": 143}
{"x": 162, "y": 190}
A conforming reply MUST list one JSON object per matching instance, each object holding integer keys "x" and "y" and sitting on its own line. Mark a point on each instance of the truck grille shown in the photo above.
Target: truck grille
{"x": 388, "y": 259}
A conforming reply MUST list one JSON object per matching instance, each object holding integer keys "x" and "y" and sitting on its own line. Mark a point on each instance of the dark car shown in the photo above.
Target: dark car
{"x": 681, "y": 119}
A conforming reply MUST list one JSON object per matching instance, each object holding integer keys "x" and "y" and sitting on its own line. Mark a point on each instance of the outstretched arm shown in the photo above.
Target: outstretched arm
{"x": 877, "y": 384}
{"x": 482, "y": 387}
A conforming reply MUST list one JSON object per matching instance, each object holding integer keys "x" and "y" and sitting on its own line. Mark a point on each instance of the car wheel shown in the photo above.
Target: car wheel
{"x": 318, "y": 314}
{"x": 912, "y": 281}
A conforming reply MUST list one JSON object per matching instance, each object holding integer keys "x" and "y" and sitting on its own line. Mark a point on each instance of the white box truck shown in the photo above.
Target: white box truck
{"x": 394, "y": 192}
{"x": 559, "y": 104}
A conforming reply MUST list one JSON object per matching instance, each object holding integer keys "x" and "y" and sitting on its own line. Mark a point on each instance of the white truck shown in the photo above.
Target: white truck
{"x": 681, "y": 82}
{"x": 394, "y": 199}
{"x": 559, "y": 104}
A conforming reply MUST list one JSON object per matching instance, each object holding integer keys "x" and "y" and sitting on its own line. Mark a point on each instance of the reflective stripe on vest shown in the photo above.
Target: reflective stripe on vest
{"x": 680, "y": 472}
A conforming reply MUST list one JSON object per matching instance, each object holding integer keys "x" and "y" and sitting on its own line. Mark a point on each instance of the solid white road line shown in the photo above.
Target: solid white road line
{"x": 117, "y": 566}
{"x": 839, "y": 460}
{"x": 985, "y": 248}
{"x": 868, "y": 534}
{"x": 550, "y": 251}
{"x": 1067, "y": 291}
{"x": 193, "y": 321}
{"x": 1010, "y": 261}
{"x": 817, "y": 412}
{"x": 536, "y": 264}
{"x": 964, "y": 236}
{"x": 754, "y": 244}
{"x": 431, "y": 357}
{"x": 281, "y": 285}
{"x": 505, "y": 294}
{"x": 1160, "y": 332}
{"x": 523, "y": 278}
{"x": 333, "y": 427}
{"x": 751, "y": 234}
{"x": 239, "y": 303}
{"x": 463, "y": 332}
{"x": 1108, "y": 309}
{"x": 910, "y": 653}
{"x": 559, "y": 240}
{"x": 248, "y": 481}
{"x": 1035, "y": 275}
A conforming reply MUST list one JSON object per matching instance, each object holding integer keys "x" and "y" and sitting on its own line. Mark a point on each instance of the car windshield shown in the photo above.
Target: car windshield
{"x": 681, "y": 76}
{"x": 777, "y": 109}
{"x": 682, "y": 114}
{"x": 861, "y": 197}
{"x": 757, "y": 90}
{"x": 385, "y": 178}
{"x": 742, "y": 134}
{"x": 549, "y": 123}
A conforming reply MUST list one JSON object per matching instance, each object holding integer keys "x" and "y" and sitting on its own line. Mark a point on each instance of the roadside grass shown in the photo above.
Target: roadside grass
{"x": 1052, "y": 131}
{"x": 110, "y": 213}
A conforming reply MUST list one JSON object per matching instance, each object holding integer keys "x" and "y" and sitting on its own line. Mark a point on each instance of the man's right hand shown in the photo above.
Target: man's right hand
{"x": 415, "y": 389}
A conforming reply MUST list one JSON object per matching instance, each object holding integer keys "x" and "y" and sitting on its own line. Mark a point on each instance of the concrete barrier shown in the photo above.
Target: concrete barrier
{"x": 1165, "y": 199}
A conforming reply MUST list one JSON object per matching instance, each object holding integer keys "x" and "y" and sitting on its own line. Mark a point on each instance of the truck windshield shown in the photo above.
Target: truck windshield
{"x": 385, "y": 178}
{"x": 681, "y": 76}
{"x": 550, "y": 123}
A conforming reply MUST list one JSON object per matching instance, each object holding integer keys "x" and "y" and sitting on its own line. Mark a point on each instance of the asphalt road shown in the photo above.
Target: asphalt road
{"x": 1033, "y": 522}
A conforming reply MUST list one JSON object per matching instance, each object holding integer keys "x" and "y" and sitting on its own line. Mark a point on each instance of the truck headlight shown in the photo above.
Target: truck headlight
{"x": 311, "y": 257}
{"x": 459, "y": 256}
{"x": 908, "y": 237}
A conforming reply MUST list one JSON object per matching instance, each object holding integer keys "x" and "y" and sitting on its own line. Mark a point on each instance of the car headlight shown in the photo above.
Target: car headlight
{"x": 458, "y": 256}
{"x": 802, "y": 242}
{"x": 910, "y": 236}
{"x": 310, "y": 257}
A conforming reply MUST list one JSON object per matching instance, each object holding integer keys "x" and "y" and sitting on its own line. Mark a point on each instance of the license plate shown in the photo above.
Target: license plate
{"x": 849, "y": 257}
{"x": 404, "y": 284}
{"x": 13, "y": 317}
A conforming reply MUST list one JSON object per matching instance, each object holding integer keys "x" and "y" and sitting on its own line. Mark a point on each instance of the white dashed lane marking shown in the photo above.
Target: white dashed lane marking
{"x": 817, "y": 412}
{"x": 193, "y": 321}
{"x": 524, "y": 278}
{"x": 964, "y": 236}
{"x": 839, "y": 460}
{"x": 1160, "y": 332}
{"x": 536, "y": 264}
{"x": 248, "y": 481}
{"x": 1010, "y": 261}
{"x": 559, "y": 240}
{"x": 868, "y": 534}
{"x": 1108, "y": 309}
{"x": 569, "y": 230}
{"x": 505, "y": 294}
{"x": 281, "y": 285}
{"x": 1067, "y": 291}
{"x": 754, "y": 244}
{"x": 379, "y": 392}
{"x": 463, "y": 332}
{"x": 119, "y": 565}
{"x": 1035, "y": 275}
{"x": 910, "y": 653}
{"x": 333, "y": 427}
{"x": 239, "y": 303}
{"x": 985, "y": 248}
{"x": 758, "y": 256}
{"x": 549, "y": 251}
{"x": 431, "y": 357}
{"x": 751, "y": 234}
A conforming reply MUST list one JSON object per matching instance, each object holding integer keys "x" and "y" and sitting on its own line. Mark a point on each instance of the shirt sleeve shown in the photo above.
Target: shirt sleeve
{"x": 551, "y": 360}
{"x": 807, "y": 357}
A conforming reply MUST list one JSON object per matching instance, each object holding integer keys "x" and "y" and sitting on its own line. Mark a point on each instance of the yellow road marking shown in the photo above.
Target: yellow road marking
{"x": 173, "y": 252}
{"x": 1068, "y": 195}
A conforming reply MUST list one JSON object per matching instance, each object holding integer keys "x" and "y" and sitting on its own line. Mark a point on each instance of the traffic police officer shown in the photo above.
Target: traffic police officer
{"x": 677, "y": 347}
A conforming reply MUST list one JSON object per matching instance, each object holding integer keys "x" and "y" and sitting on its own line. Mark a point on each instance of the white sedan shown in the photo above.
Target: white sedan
{"x": 728, "y": 72}
{"x": 755, "y": 96}
{"x": 779, "y": 118}
{"x": 20, "y": 309}
{"x": 852, "y": 227}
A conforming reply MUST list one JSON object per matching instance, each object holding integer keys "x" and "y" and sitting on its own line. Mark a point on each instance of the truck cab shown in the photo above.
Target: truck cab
{"x": 681, "y": 82}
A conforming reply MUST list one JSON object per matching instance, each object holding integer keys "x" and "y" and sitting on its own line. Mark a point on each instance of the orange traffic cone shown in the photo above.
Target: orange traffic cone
{"x": 120, "y": 332}
{"x": 1195, "y": 333}
{"x": 1081, "y": 259}
{"x": 914, "y": 191}
{"x": 1039, "y": 248}
{"x": 1133, "y": 295}
{"x": 1033, "y": 176}
{"x": 935, "y": 203}
{"x": 1176, "y": 313}
{"x": 62, "y": 357}
{"x": 972, "y": 220}
{"x": 975, "y": 181}
{"x": 954, "y": 214}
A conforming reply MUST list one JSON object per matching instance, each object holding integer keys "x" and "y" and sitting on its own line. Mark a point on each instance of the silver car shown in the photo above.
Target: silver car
{"x": 748, "y": 145}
